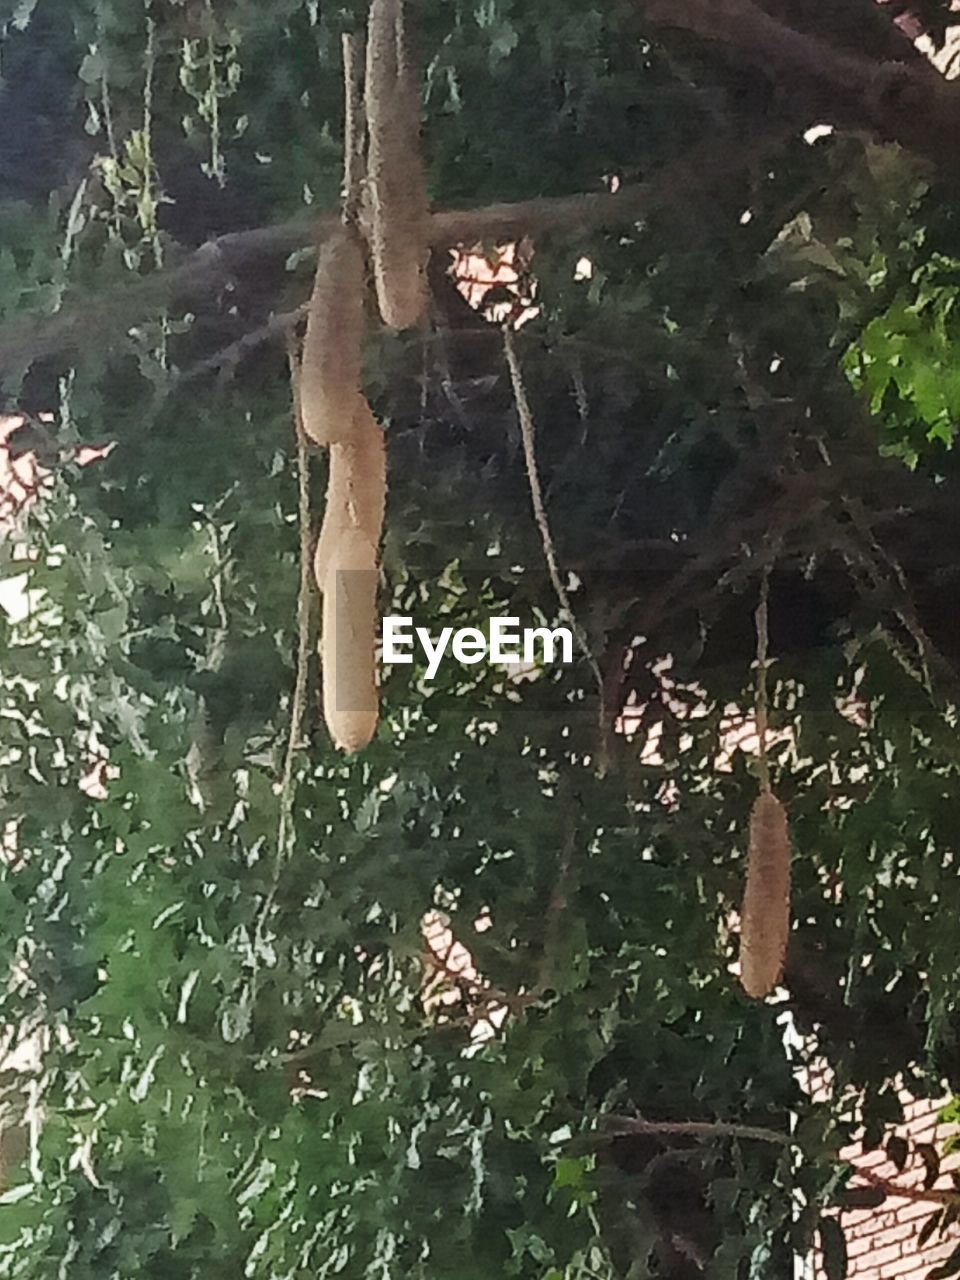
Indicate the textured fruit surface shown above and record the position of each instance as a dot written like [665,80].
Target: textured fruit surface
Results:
[396,186]
[356,488]
[333,344]
[348,641]
[345,564]
[765,919]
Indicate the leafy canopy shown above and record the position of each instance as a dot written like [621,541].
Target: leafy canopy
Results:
[238,1072]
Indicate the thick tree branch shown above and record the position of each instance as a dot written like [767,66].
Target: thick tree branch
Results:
[106,317]
[910,104]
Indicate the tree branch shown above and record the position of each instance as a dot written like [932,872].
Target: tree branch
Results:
[704,1129]
[225,362]
[106,317]
[929,1195]
[910,104]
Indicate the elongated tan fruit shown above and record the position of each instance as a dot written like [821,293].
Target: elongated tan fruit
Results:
[396,186]
[356,488]
[345,563]
[350,701]
[765,919]
[333,344]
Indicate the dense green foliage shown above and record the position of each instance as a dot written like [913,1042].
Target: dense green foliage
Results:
[238,1075]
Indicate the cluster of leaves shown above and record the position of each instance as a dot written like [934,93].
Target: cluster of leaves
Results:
[238,1073]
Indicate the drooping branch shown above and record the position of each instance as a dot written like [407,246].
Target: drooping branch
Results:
[905,102]
[106,317]
[225,362]
[100,318]
[701,1129]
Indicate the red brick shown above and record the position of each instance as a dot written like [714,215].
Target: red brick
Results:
[881,1243]
[884,1257]
[895,1234]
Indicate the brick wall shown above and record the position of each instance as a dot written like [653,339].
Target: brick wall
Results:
[882,1243]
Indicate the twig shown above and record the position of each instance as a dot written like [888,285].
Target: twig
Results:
[558,904]
[298,700]
[481,996]
[225,361]
[339,1034]
[931,1194]
[528,436]
[767,528]
[556,909]
[761,619]
[472,987]
[906,613]
[202,756]
[661,1161]
[877,562]
[580,395]
[704,1129]
[304,597]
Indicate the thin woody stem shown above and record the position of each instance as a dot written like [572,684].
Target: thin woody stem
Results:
[763,644]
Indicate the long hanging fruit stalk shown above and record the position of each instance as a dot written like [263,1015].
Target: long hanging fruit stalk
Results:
[336,414]
[765,916]
[396,187]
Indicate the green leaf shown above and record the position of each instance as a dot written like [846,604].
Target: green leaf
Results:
[92,68]
[236,1017]
[568,1172]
